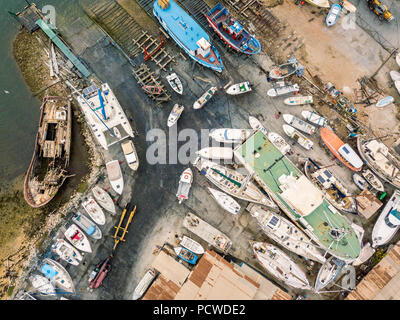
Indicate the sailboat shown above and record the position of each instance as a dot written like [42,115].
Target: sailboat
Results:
[328,273]
[56,273]
[42,285]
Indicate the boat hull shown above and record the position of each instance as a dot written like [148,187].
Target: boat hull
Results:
[103,198]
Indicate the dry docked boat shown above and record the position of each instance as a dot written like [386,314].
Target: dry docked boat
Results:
[175,83]
[257,125]
[298,123]
[94,211]
[279,143]
[185,182]
[103,198]
[373,180]
[282,89]
[319,3]
[115,176]
[91,229]
[200,102]
[298,100]
[284,70]
[238,88]
[78,238]
[229,135]
[152,89]
[277,263]
[298,137]
[48,168]
[217,153]
[56,273]
[328,273]
[385,102]
[395,75]
[175,114]
[42,285]
[130,154]
[349,6]
[186,255]
[314,117]
[226,202]
[286,233]
[67,252]
[333,14]
[232,182]
[144,284]
[333,189]
[192,245]
[360,182]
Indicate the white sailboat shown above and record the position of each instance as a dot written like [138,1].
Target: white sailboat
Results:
[42,285]
[56,273]
[216,153]
[144,284]
[373,180]
[115,176]
[192,245]
[239,88]
[314,117]
[87,225]
[298,123]
[257,125]
[225,202]
[297,136]
[175,114]
[229,135]
[94,211]
[279,143]
[131,157]
[104,199]
[328,273]
[77,238]
[175,83]
[298,100]
[67,252]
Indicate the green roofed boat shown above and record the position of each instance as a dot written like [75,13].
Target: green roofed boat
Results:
[298,197]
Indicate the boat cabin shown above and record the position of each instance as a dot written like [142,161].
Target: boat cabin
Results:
[392,220]
[204,48]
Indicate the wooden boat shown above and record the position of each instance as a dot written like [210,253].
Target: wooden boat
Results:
[298,123]
[94,211]
[298,137]
[229,135]
[115,176]
[333,189]
[42,285]
[144,284]
[186,255]
[175,114]
[298,100]
[333,14]
[314,117]
[319,3]
[103,198]
[385,102]
[279,143]
[284,70]
[175,83]
[47,170]
[199,103]
[90,228]
[257,125]
[152,89]
[282,89]
[67,252]
[225,202]
[56,273]
[239,88]
[360,182]
[192,245]
[130,154]
[372,180]
[277,263]
[341,150]
[77,238]
[217,153]
[328,273]
[185,182]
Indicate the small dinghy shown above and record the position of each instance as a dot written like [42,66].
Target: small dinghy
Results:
[257,125]
[298,100]
[117,133]
[90,228]
[360,182]
[175,114]
[333,14]
[103,198]
[199,103]
[284,70]
[238,88]
[94,211]
[115,176]
[56,273]
[216,153]
[78,239]
[185,183]
[225,202]
[144,284]
[192,245]
[314,117]
[298,123]
[279,143]
[229,135]
[131,157]
[298,137]
[175,83]
[67,252]
[186,255]
[373,180]
[385,102]
[152,89]
[328,273]
[42,285]
[282,89]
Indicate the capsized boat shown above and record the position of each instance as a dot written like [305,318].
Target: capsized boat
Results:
[77,238]
[385,102]
[216,153]
[103,198]
[67,252]
[231,31]
[333,15]
[388,222]
[298,137]
[131,157]
[175,114]
[229,135]
[298,100]
[225,202]
[90,228]
[277,263]
[286,233]
[56,273]
[48,168]
[186,255]
[341,150]
[192,245]
[144,284]
[115,176]
[319,3]
[282,89]
[372,180]
[314,117]
[94,211]
[185,182]
[257,125]
[298,123]
[239,88]
[328,273]
[284,70]
[360,182]
[200,102]
[175,83]
[42,285]
[279,143]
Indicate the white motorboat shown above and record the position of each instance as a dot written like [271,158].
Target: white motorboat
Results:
[175,114]
[298,100]
[229,135]
[279,143]
[87,225]
[67,252]
[42,285]
[257,125]
[77,238]
[216,153]
[298,137]
[94,211]
[328,273]
[199,103]
[104,199]
[144,284]
[360,182]
[185,182]
[225,202]
[282,89]
[115,176]
[239,88]
[192,245]
[130,154]
[372,180]
[56,273]
[314,117]
[175,83]
[284,70]
[298,123]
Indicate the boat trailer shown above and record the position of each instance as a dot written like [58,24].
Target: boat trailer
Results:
[124,229]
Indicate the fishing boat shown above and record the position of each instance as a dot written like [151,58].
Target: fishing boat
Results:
[385,102]
[232,182]
[372,180]
[257,125]
[333,15]
[225,202]
[175,83]
[115,176]
[103,198]
[216,153]
[298,100]
[56,273]
[42,285]
[298,137]
[94,211]
[130,154]
[314,117]
[388,222]
[333,189]
[278,263]
[144,284]
[185,182]
[231,31]
[319,3]
[152,89]
[200,102]
[298,123]
[282,89]
[175,114]
[279,143]
[47,170]
[284,70]
[341,150]
[77,238]
[90,228]
[286,233]
[192,245]
[186,255]
[328,273]
[103,113]
[187,34]
[360,182]
[67,252]
[239,88]
[229,135]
